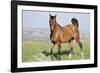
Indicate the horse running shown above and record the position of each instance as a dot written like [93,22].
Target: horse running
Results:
[64,34]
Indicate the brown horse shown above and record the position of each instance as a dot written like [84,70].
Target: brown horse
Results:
[64,34]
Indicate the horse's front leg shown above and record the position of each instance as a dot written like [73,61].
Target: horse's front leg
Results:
[59,50]
[52,44]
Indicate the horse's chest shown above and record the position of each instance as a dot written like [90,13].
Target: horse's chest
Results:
[55,36]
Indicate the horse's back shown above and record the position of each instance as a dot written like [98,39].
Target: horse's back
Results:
[68,32]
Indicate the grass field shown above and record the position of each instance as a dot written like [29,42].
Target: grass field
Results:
[33,51]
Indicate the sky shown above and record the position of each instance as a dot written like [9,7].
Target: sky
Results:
[40,19]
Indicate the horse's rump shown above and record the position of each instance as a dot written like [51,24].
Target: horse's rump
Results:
[67,33]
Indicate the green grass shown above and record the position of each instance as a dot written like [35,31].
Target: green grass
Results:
[32,51]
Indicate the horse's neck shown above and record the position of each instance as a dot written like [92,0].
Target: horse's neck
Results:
[57,26]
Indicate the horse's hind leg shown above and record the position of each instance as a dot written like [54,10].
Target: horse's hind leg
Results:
[71,48]
[80,45]
[77,38]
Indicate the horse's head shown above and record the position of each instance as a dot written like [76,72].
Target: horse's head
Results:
[52,21]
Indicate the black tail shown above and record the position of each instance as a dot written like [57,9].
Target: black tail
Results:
[74,21]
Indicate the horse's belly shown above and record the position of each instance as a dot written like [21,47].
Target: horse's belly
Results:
[64,40]
[65,37]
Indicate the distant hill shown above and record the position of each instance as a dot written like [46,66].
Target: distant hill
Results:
[40,34]
[36,34]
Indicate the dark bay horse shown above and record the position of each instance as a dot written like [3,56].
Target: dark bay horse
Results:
[64,34]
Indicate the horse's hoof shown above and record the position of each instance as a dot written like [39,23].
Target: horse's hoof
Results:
[70,56]
[82,54]
[82,57]
[52,59]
